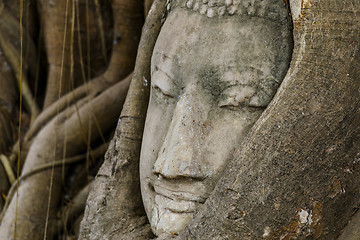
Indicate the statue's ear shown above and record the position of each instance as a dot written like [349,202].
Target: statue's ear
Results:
[298,174]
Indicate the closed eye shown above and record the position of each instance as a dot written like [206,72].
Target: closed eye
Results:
[159,92]
[162,84]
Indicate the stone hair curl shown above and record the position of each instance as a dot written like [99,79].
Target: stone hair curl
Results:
[273,10]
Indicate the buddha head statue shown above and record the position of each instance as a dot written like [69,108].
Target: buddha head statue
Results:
[215,67]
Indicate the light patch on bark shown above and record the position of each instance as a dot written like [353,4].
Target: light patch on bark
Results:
[306,3]
[267,232]
[295,6]
[305,217]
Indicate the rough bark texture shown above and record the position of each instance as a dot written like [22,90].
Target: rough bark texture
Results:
[298,174]
[114,208]
[352,230]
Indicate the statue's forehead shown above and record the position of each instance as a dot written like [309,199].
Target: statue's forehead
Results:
[226,40]
[205,32]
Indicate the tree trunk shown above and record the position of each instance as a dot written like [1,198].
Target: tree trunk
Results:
[115,209]
[297,176]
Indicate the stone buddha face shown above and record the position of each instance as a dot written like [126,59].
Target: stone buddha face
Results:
[211,78]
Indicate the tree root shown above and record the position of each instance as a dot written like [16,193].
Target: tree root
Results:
[8,169]
[9,24]
[74,208]
[120,171]
[47,145]
[98,152]
[8,100]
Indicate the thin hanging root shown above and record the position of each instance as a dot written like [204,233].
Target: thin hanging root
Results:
[98,152]
[101,29]
[12,56]
[7,166]
[14,153]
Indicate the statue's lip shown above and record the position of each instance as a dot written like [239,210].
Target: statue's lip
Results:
[177,195]
[175,206]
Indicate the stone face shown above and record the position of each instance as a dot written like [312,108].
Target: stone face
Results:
[210,82]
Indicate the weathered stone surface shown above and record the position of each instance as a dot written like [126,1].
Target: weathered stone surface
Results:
[210,81]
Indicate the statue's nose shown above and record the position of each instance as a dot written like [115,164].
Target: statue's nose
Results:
[180,154]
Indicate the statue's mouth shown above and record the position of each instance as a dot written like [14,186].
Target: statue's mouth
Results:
[178,195]
[175,206]
[176,201]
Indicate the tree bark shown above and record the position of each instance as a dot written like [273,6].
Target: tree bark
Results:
[297,175]
[114,209]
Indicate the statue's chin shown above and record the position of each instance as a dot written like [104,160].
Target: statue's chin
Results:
[166,221]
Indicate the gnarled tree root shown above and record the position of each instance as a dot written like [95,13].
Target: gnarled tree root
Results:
[115,209]
[34,193]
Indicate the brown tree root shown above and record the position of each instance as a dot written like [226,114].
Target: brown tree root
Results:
[74,209]
[35,193]
[8,169]
[82,93]
[57,17]
[127,26]
[8,99]
[6,139]
[98,152]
